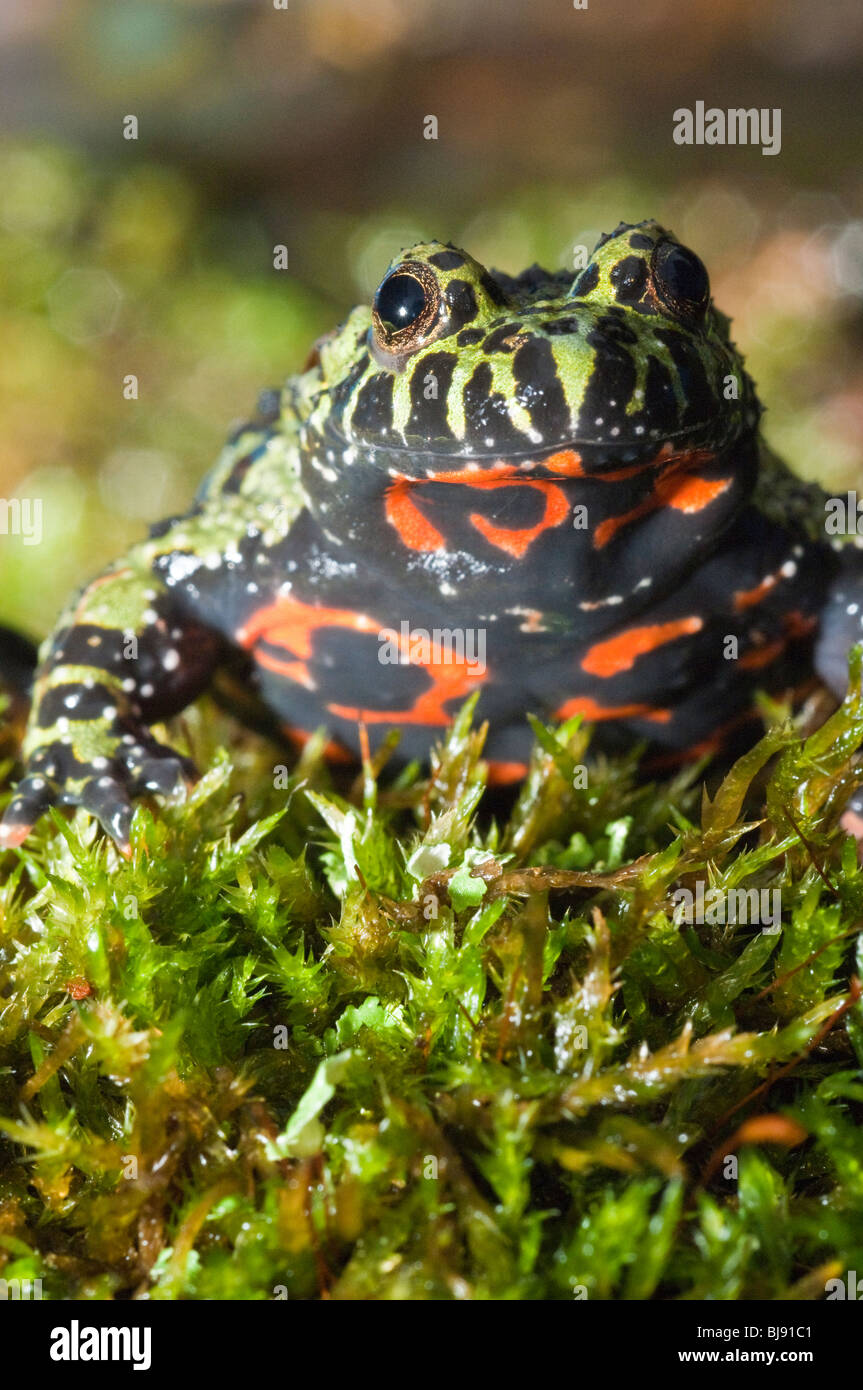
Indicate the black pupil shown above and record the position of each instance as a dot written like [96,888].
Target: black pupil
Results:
[399,301]
[685,275]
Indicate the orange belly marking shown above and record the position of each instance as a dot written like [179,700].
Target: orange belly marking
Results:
[418,533]
[589,709]
[620,653]
[291,624]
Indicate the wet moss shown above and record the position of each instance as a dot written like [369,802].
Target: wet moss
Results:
[376,1041]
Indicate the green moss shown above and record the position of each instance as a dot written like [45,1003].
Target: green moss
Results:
[390,1040]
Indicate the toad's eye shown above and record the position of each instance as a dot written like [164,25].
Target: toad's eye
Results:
[680,280]
[399,302]
[406,308]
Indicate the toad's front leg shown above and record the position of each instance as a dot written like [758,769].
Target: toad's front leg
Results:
[121,657]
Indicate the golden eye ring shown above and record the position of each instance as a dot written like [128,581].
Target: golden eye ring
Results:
[406,309]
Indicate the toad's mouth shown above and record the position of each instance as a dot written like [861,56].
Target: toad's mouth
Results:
[576,456]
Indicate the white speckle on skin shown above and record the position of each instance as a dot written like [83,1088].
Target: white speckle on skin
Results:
[181,566]
[171,659]
[610,602]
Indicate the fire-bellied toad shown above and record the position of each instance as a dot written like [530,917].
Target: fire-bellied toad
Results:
[566,473]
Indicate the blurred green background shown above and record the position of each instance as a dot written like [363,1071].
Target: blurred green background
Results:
[304,127]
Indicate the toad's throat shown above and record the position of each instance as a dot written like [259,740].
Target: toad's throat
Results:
[542,504]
